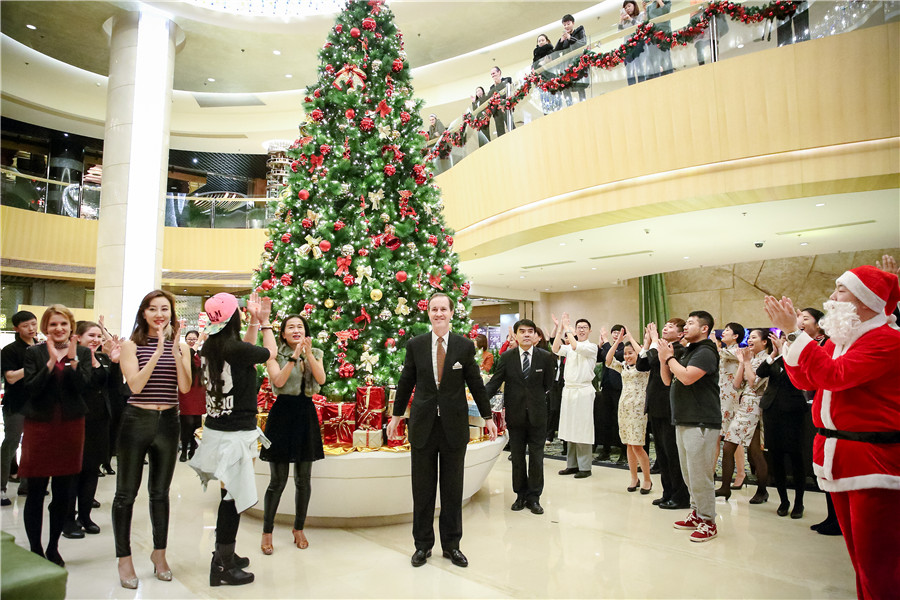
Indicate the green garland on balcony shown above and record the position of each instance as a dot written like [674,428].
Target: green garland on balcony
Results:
[644,35]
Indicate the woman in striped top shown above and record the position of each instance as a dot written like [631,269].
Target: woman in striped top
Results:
[156,368]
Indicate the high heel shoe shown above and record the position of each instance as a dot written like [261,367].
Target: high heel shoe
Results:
[723,492]
[738,486]
[633,488]
[129,583]
[163,575]
[797,512]
[300,539]
[266,544]
[759,498]
[645,491]
[783,509]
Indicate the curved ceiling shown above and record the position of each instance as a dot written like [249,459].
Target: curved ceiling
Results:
[238,51]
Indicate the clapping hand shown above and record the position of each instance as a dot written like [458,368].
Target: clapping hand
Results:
[888,264]
[666,351]
[781,313]
[253,306]
[777,342]
[654,333]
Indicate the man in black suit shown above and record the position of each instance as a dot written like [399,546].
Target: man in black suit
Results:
[439,365]
[528,374]
[572,39]
[502,118]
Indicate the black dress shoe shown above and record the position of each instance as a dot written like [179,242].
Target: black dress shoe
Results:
[783,509]
[72,531]
[91,527]
[419,557]
[672,505]
[582,474]
[535,507]
[456,557]
[654,469]
[95,504]
[659,501]
[109,470]
[569,471]
[519,504]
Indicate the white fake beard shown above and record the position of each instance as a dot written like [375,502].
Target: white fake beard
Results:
[840,321]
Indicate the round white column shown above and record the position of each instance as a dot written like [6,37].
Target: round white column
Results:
[135,163]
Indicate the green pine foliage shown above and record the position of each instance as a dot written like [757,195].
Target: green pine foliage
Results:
[359,241]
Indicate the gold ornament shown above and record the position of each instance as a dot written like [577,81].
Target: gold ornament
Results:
[402,308]
[308,284]
[384,315]
[347,250]
[384,131]
[375,198]
[312,246]
[395,134]
[345,188]
[322,336]
[363,271]
[385,217]
[329,303]
[368,361]
[376,295]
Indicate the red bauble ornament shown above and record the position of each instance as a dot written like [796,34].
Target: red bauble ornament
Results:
[286,238]
[404,117]
[448,269]
[338,28]
[354,334]
[432,239]
[307,223]
[324,245]
[397,65]
[422,304]
[349,279]
[267,285]
[338,225]
[346,370]
[389,170]
[366,124]
[363,252]
[389,343]
[317,94]
[392,242]
[270,245]
[448,239]
[317,114]
[286,279]
[329,69]
[308,308]
[354,32]
[368,24]
[294,165]
[401,276]
[303,195]
[401,331]
[350,113]
[324,149]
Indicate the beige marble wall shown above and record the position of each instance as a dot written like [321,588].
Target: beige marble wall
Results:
[735,292]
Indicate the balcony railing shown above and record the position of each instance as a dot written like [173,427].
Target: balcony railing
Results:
[724,39]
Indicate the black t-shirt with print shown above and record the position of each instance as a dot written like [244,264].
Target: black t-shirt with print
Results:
[236,409]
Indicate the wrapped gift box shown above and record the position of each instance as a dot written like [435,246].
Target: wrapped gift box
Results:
[476,421]
[500,421]
[370,405]
[319,401]
[339,419]
[475,433]
[401,436]
[367,439]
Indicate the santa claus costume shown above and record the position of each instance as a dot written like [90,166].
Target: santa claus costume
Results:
[856,411]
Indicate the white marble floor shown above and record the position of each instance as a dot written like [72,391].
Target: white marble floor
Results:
[594,541]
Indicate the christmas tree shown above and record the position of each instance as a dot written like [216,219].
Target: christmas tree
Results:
[359,242]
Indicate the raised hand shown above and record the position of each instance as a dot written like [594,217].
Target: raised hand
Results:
[887,263]
[115,349]
[265,309]
[654,332]
[781,313]
[71,354]
[777,341]
[253,306]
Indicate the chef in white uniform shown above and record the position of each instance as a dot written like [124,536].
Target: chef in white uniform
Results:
[576,414]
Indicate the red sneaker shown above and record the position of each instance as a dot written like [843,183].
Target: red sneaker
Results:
[706,531]
[692,522]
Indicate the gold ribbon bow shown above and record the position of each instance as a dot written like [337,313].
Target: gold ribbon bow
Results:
[375,198]
[369,361]
[312,216]
[402,308]
[311,246]
[362,272]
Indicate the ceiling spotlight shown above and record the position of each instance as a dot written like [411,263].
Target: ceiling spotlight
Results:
[210,79]
[521,277]
[804,243]
[276,52]
[593,268]
[686,257]
[820,204]
[288,76]
[562,243]
[740,46]
[31,27]
[574,286]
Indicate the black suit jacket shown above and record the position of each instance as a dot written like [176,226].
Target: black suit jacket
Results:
[418,373]
[576,38]
[45,392]
[657,406]
[523,393]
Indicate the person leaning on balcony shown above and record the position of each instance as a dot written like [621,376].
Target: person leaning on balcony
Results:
[501,117]
[435,127]
[572,39]
[630,16]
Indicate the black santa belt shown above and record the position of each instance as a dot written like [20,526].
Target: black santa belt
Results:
[868,437]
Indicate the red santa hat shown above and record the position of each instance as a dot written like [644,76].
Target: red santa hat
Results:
[877,289]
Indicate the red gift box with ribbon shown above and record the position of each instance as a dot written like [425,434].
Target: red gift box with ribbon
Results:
[370,405]
[401,438]
[338,421]
[318,402]
[499,421]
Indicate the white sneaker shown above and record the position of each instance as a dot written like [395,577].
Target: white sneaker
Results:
[4,500]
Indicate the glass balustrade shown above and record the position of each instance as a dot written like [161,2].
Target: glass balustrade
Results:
[473,129]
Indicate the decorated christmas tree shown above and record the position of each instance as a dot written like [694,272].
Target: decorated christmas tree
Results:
[359,242]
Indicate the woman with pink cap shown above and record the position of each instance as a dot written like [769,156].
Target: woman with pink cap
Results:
[230,433]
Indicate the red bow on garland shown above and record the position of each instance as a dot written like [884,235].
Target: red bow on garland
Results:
[348,73]
[343,263]
[363,316]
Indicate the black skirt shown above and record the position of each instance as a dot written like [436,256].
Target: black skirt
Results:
[784,430]
[293,428]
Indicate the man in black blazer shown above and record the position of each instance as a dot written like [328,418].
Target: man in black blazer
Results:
[439,365]
[528,374]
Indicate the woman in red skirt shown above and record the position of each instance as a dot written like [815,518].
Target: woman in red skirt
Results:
[192,406]
[56,372]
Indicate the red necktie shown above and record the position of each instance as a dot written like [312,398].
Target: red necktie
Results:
[441,355]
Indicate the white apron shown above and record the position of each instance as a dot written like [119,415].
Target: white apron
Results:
[576,413]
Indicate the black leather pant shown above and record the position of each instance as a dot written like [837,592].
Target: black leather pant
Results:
[152,433]
[302,492]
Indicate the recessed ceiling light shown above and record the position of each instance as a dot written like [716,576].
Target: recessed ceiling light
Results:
[210,79]
[804,243]
[593,268]
[562,243]
[31,27]
[740,46]
[276,52]
[574,286]
[288,75]
[521,277]
[546,289]
[686,257]
[820,204]
[98,84]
